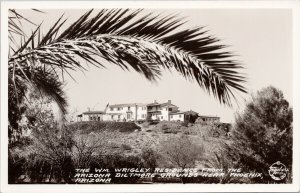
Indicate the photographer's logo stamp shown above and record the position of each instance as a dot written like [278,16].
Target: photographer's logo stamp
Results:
[278,171]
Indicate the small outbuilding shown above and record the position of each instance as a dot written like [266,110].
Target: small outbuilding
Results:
[91,116]
[207,119]
[182,116]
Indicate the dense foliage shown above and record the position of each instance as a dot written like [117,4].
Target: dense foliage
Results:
[263,134]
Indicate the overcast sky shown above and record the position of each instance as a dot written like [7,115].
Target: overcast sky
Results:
[262,39]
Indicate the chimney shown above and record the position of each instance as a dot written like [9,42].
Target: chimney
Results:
[169,101]
[89,109]
[155,101]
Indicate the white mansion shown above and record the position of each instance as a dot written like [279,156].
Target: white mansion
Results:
[140,112]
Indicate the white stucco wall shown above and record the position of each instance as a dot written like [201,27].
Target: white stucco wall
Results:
[141,112]
[95,117]
[138,112]
[177,117]
[164,114]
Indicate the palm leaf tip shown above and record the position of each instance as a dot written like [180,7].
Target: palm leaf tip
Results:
[146,43]
[49,85]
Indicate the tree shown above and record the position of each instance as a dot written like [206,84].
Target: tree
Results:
[263,133]
[52,146]
[126,38]
[88,145]
[150,158]
[181,151]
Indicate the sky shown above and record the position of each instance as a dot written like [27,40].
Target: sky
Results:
[261,39]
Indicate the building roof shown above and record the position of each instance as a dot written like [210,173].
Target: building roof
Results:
[191,112]
[114,113]
[208,116]
[127,105]
[178,112]
[184,112]
[167,105]
[93,112]
[162,104]
[153,104]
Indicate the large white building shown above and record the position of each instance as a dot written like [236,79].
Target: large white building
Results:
[131,112]
[161,111]
[141,112]
[125,112]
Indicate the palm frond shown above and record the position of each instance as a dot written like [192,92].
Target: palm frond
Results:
[43,80]
[145,43]
[49,85]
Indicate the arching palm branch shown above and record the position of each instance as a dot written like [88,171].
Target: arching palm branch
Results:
[130,40]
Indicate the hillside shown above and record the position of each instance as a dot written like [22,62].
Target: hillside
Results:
[130,138]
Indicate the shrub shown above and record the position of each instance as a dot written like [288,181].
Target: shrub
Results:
[118,161]
[263,134]
[165,127]
[126,147]
[185,123]
[153,122]
[85,146]
[150,158]
[16,167]
[181,151]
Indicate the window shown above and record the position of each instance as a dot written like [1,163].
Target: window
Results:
[144,108]
[112,116]
[91,118]
[128,108]
[170,109]
[171,116]
[179,116]
[111,109]
[98,118]
[119,116]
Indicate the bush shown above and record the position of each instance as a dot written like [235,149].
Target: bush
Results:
[126,147]
[181,151]
[153,122]
[170,128]
[165,127]
[185,123]
[118,161]
[263,134]
[52,147]
[150,158]
[16,167]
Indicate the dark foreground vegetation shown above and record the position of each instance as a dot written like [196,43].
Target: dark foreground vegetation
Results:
[88,127]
